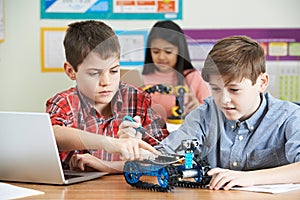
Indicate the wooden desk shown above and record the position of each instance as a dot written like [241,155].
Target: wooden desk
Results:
[115,187]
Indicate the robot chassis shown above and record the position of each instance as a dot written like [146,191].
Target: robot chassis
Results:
[170,170]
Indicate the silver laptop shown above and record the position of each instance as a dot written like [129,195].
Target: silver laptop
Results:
[28,151]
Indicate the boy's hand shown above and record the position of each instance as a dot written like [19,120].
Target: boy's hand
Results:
[144,154]
[129,148]
[127,128]
[84,162]
[226,179]
[88,162]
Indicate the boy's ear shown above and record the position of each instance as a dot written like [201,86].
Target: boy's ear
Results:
[69,70]
[263,81]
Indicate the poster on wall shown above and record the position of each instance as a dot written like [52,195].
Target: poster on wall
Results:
[282,49]
[279,44]
[111,9]
[1,20]
[132,47]
[52,49]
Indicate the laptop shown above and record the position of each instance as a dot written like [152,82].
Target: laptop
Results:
[28,151]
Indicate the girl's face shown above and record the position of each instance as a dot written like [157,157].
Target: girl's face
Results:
[164,55]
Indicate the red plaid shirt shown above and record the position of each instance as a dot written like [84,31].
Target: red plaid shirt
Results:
[70,108]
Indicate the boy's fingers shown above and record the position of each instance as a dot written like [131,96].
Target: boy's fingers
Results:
[81,165]
[214,171]
[127,123]
[148,147]
[144,154]
[136,152]
[137,119]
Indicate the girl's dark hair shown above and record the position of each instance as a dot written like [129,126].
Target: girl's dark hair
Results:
[172,33]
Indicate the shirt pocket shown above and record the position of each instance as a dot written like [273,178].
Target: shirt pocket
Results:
[265,158]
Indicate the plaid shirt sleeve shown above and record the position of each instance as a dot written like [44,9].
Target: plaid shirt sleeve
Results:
[59,111]
[57,108]
[60,108]
[150,120]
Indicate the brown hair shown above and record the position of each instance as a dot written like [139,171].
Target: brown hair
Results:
[236,57]
[83,37]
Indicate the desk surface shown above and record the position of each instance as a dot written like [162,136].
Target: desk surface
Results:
[115,187]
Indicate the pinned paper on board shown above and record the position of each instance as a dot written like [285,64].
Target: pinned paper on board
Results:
[294,49]
[278,48]
[1,20]
[52,50]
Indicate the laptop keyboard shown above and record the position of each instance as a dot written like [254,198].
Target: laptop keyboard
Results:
[69,176]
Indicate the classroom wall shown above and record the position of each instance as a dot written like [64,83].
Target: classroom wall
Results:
[23,87]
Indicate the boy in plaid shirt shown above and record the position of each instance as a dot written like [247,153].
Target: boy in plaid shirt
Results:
[83,115]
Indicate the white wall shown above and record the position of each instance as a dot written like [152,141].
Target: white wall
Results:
[23,87]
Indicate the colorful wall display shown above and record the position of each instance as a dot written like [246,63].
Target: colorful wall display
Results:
[111,9]
[280,44]
[282,48]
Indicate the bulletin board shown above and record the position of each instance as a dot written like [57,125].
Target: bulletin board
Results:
[279,44]
[132,47]
[1,20]
[53,55]
[111,9]
[282,48]
[52,49]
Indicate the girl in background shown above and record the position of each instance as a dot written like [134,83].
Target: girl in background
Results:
[167,62]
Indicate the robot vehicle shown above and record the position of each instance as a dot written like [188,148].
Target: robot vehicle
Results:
[171,170]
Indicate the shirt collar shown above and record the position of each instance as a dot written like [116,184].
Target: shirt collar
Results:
[86,105]
[117,101]
[255,119]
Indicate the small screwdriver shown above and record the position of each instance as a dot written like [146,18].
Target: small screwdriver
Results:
[144,131]
[140,128]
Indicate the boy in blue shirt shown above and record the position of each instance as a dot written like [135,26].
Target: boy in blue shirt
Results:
[247,136]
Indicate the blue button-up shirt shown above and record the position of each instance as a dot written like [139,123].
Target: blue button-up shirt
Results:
[269,138]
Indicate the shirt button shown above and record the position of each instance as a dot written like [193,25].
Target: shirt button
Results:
[232,127]
[251,127]
[234,164]
[241,137]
